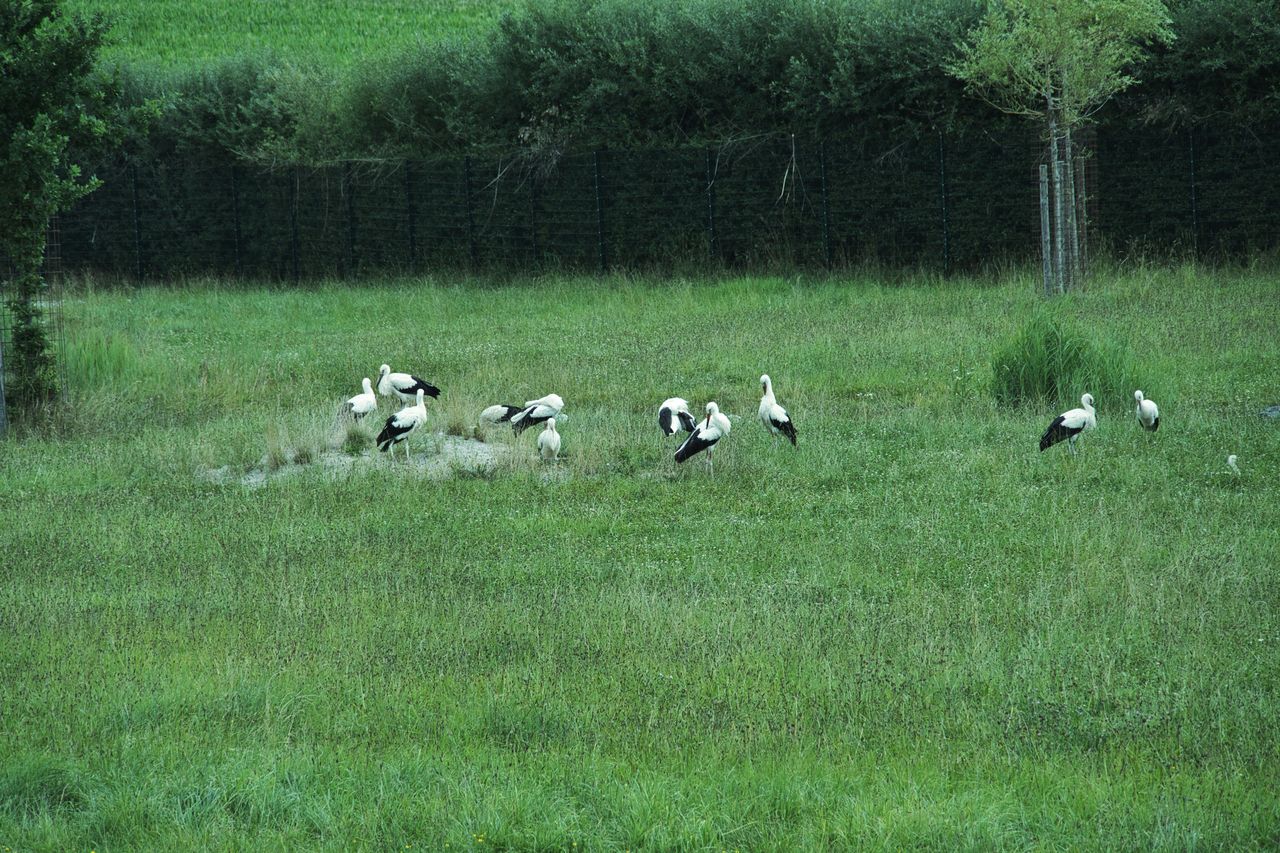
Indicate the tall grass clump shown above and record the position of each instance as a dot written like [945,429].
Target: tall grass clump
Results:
[95,359]
[1051,361]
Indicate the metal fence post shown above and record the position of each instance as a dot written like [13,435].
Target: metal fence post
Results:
[235,221]
[826,204]
[137,222]
[942,195]
[1044,230]
[604,259]
[466,201]
[4,412]
[293,222]
[711,205]
[348,192]
[410,216]
[533,215]
[1195,211]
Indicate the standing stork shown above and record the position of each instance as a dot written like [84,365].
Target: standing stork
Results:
[362,404]
[403,385]
[536,411]
[1148,413]
[674,415]
[549,442]
[1232,466]
[401,424]
[705,436]
[774,417]
[1069,425]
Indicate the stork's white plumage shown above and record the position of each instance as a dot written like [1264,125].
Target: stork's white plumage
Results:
[774,417]
[536,412]
[549,441]
[1070,424]
[499,414]
[705,437]
[674,415]
[1231,463]
[362,404]
[1148,413]
[400,425]
[403,385]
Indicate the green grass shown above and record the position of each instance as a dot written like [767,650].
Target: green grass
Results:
[179,33]
[914,630]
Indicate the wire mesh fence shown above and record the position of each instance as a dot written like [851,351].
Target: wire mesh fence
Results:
[944,202]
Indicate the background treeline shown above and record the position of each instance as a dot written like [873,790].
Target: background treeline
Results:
[585,74]
[616,132]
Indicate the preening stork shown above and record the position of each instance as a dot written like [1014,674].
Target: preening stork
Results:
[536,412]
[499,414]
[705,437]
[403,385]
[549,442]
[401,424]
[1069,425]
[674,415]
[774,417]
[362,404]
[1148,413]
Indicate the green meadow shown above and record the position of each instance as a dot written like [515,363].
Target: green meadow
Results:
[182,33]
[912,630]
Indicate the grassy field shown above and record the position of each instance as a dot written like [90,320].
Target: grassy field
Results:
[169,33]
[914,630]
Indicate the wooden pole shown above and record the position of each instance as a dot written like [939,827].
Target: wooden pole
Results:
[1072,225]
[1045,249]
[4,412]
[942,197]
[604,258]
[826,204]
[711,206]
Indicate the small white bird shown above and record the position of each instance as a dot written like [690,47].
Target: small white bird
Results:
[705,436]
[1148,413]
[401,424]
[1231,463]
[549,441]
[536,412]
[1069,425]
[362,404]
[774,417]
[403,385]
[674,415]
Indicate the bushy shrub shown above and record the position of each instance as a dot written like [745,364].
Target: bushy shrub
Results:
[1051,362]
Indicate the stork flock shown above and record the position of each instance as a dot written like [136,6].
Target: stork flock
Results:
[674,416]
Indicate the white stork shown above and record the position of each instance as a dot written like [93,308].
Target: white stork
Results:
[362,404]
[401,424]
[536,412]
[403,385]
[674,415]
[774,417]
[1069,425]
[1148,413]
[705,436]
[549,442]
[1231,463]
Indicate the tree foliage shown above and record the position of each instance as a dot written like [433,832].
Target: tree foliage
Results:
[1065,57]
[47,104]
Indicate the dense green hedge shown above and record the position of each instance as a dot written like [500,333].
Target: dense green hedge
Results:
[581,74]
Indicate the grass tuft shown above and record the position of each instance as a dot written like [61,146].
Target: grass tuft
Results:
[95,359]
[1049,360]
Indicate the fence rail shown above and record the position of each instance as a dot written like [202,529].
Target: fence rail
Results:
[944,202]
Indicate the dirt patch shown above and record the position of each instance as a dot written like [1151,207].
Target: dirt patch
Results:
[439,457]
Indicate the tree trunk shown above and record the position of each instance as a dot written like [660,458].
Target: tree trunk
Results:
[1073,225]
[1059,212]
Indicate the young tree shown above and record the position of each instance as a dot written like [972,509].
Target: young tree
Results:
[48,103]
[1059,61]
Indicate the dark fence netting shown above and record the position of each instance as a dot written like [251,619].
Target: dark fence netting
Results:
[944,201]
